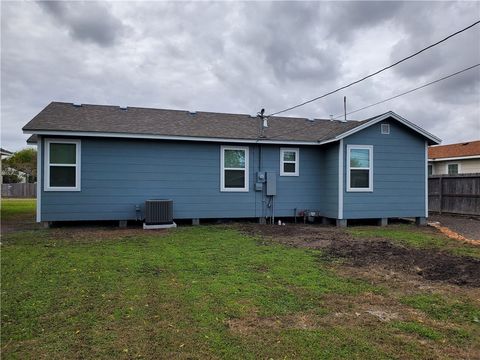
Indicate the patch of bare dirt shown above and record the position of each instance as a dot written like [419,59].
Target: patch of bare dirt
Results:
[337,243]
[358,310]
[250,324]
[96,233]
[430,264]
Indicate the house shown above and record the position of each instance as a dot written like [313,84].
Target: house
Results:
[8,172]
[103,162]
[453,159]
[3,154]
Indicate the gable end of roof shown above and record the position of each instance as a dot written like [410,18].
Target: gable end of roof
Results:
[433,140]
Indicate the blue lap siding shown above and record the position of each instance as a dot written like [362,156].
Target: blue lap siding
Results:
[329,165]
[119,174]
[398,174]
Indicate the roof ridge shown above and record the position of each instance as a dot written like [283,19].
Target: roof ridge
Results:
[207,112]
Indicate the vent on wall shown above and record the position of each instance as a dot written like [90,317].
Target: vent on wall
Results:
[385,129]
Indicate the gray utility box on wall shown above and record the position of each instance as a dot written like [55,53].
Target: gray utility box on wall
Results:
[271,183]
[158,212]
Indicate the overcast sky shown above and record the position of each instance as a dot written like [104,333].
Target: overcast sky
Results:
[240,57]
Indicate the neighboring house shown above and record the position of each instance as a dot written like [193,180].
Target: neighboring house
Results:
[103,162]
[9,171]
[3,154]
[453,159]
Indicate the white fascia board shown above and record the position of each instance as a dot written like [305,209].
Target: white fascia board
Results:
[455,158]
[384,117]
[166,137]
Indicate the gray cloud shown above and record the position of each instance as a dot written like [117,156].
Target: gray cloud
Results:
[463,89]
[89,22]
[239,57]
[345,22]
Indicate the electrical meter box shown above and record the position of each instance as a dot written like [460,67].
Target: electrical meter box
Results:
[260,177]
[271,183]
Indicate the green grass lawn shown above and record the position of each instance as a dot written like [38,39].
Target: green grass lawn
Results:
[202,292]
[17,209]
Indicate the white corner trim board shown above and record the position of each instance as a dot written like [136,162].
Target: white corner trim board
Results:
[426,179]
[341,169]
[39,179]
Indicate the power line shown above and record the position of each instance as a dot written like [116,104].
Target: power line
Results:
[390,98]
[376,72]
[409,91]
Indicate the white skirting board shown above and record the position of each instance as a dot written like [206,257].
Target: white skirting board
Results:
[157,227]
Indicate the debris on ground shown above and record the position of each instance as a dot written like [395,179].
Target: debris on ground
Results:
[383,316]
[452,234]
[467,226]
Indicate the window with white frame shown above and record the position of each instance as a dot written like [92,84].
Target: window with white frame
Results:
[452,169]
[359,168]
[430,169]
[234,168]
[289,160]
[62,165]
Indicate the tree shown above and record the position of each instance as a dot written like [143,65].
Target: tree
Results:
[25,161]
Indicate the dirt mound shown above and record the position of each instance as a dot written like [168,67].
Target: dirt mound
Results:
[431,264]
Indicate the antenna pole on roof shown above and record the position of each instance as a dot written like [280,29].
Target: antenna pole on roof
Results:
[345,107]
[263,122]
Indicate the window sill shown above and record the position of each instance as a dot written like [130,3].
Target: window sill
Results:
[54,189]
[359,190]
[233,190]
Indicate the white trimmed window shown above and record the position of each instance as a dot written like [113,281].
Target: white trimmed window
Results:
[453,169]
[234,168]
[289,159]
[62,165]
[359,168]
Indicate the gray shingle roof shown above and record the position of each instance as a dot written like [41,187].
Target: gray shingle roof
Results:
[58,116]
[33,139]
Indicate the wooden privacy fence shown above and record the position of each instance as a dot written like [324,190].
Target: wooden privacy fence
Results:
[459,194]
[19,190]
